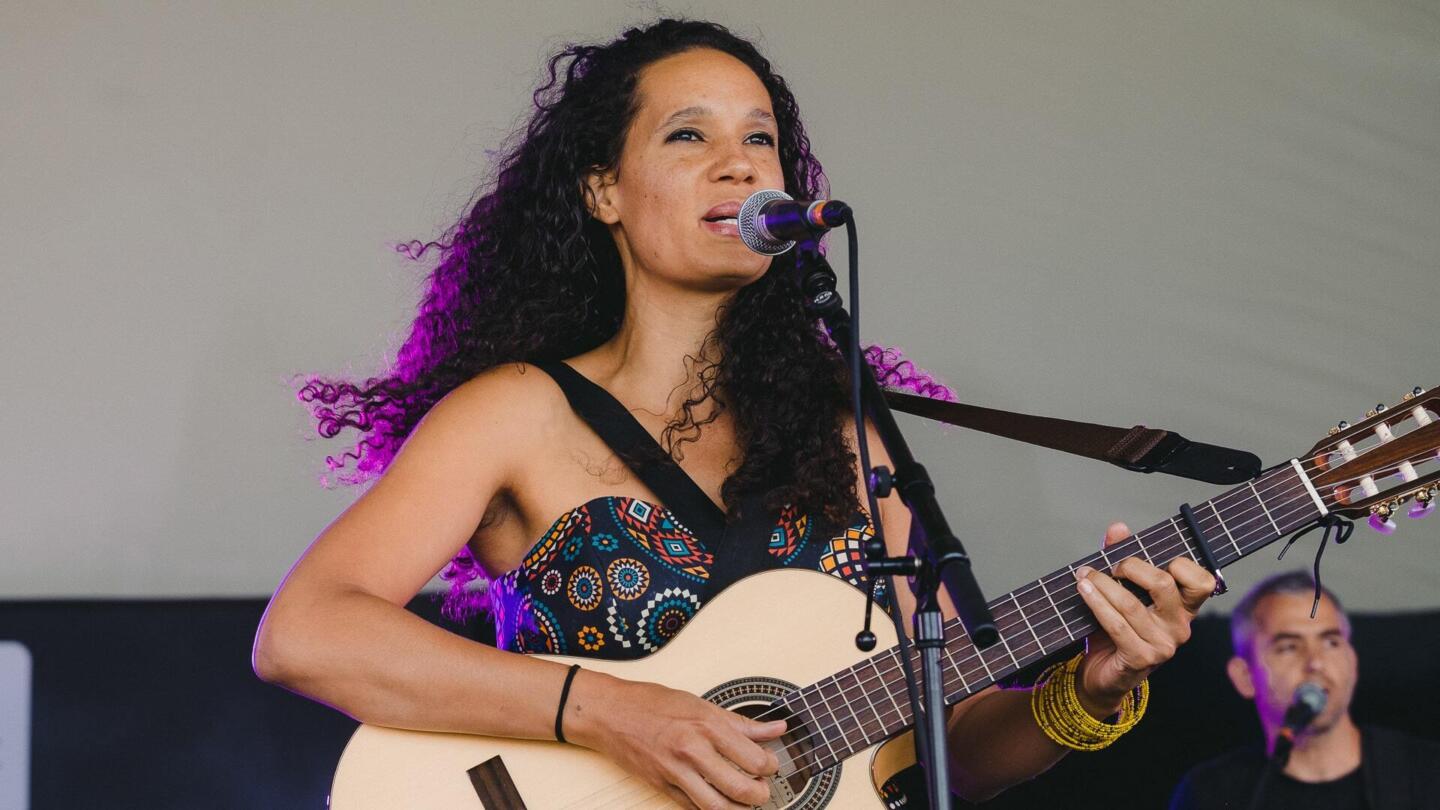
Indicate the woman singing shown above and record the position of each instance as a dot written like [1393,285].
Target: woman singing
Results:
[600,362]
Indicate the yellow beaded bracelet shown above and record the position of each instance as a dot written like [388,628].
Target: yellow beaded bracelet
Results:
[1059,713]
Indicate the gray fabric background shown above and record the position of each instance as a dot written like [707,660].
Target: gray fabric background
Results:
[1219,217]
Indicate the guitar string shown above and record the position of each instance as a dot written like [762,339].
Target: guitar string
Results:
[1288,515]
[963,671]
[848,703]
[1069,599]
[1042,644]
[1051,635]
[1248,508]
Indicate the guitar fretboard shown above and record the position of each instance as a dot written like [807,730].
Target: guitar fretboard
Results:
[868,702]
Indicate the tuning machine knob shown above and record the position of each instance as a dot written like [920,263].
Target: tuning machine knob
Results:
[1424,504]
[1414,392]
[1380,519]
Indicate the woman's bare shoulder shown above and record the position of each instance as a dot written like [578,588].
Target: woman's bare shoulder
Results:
[502,400]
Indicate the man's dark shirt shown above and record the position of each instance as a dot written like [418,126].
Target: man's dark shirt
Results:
[1397,772]
[1345,793]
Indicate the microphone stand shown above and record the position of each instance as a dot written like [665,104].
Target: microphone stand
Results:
[943,562]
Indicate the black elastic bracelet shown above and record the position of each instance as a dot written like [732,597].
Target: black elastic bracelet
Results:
[560,710]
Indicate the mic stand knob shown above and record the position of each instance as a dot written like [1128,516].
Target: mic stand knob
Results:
[882,481]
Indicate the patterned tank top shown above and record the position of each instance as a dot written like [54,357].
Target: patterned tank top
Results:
[619,577]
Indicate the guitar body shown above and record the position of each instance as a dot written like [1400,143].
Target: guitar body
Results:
[766,634]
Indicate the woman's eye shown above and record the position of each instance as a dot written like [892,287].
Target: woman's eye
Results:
[684,135]
[762,138]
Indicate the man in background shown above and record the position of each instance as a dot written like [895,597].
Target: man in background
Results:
[1334,763]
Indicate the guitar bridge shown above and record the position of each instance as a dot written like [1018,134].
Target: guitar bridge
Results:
[494,786]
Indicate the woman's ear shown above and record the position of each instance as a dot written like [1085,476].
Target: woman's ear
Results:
[1240,677]
[600,195]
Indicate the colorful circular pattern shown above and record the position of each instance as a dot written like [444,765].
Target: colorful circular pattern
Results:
[605,542]
[664,615]
[548,629]
[585,589]
[572,547]
[590,638]
[628,578]
[551,582]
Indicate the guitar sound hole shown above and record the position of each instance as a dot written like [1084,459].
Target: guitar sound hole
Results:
[755,698]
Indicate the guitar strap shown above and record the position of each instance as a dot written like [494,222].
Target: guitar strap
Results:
[1139,449]
[733,558]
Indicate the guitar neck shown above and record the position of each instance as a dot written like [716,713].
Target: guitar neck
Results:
[868,702]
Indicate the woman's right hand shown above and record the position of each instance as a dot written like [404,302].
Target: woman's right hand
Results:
[695,752]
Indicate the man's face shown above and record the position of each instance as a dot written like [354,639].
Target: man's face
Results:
[1287,649]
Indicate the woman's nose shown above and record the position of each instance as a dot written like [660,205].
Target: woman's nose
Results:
[733,165]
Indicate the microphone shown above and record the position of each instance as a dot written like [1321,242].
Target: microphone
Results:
[1309,701]
[771,221]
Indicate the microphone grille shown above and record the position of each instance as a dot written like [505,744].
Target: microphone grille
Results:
[749,222]
[1313,695]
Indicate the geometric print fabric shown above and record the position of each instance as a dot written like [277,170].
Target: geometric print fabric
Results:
[619,577]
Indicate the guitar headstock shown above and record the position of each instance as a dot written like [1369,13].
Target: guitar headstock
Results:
[1391,457]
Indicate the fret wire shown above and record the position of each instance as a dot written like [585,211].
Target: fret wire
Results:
[888,692]
[819,730]
[1031,627]
[844,701]
[1186,545]
[847,696]
[986,664]
[1056,608]
[1145,551]
[1225,528]
[854,705]
[850,705]
[1047,600]
[1261,501]
[954,667]
[1009,627]
[836,720]
[865,693]
[1156,541]
[857,706]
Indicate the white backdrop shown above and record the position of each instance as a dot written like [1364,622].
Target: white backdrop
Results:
[1217,217]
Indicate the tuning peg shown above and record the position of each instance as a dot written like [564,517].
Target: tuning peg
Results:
[1414,392]
[1378,409]
[1423,506]
[1380,519]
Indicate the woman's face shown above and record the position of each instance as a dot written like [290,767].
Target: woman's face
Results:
[703,139]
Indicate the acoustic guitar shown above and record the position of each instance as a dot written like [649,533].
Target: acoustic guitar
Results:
[848,711]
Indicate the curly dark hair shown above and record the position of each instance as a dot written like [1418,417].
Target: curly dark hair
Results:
[528,275]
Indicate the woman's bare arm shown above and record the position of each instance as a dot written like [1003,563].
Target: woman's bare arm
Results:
[337,631]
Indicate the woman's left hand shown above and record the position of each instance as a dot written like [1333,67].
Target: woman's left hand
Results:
[1134,638]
